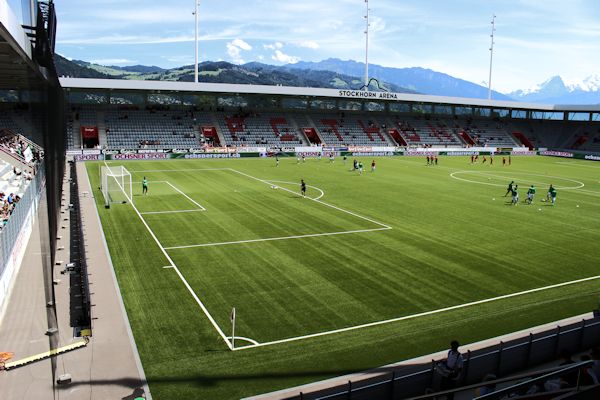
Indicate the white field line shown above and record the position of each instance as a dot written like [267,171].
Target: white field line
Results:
[150,182]
[277,238]
[245,339]
[179,170]
[453,175]
[315,200]
[575,164]
[423,314]
[187,197]
[310,186]
[172,212]
[172,264]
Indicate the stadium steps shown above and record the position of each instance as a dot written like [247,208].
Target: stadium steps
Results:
[333,125]
[76,134]
[397,137]
[47,354]
[466,138]
[101,124]
[215,123]
[524,141]
[314,128]
[301,135]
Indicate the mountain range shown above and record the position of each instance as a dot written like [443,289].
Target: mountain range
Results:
[340,74]
[556,91]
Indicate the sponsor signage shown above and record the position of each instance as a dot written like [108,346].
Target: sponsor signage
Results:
[88,157]
[592,157]
[362,94]
[553,153]
[140,156]
[208,155]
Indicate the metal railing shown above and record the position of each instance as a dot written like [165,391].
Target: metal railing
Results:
[11,232]
[500,359]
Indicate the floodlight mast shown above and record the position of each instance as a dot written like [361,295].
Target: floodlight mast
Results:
[491,56]
[367,47]
[196,2]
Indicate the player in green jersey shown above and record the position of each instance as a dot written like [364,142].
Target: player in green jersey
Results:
[144,186]
[530,194]
[553,195]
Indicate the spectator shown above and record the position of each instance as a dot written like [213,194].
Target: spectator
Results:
[488,388]
[451,369]
[587,376]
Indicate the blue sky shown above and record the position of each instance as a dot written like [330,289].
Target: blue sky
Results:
[535,39]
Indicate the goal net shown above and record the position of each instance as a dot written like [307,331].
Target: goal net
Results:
[116,185]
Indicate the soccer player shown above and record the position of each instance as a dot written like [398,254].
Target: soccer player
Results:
[548,195]
[472,158]
[553,195]
[491,160]
[144,186]
[509,160]
[360,167]
[484,160]
[354,165]
[276,160]
[303,158]
[302,187]
[530,194]
[503,161]
[320,155]
[373,166]
[298,159]
[427,160]
[331,157]
[510,188]
[436,160]
[515,195]
[345,159]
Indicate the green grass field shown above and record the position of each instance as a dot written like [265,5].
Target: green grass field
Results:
[365,271]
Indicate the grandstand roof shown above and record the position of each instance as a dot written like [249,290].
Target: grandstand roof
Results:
[169,86]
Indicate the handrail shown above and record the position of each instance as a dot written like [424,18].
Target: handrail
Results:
[511,378]
[576,366]
[473,386]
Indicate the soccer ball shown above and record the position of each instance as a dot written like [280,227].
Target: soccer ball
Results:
[273,187]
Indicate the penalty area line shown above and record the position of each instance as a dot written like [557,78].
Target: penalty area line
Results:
[413,316]
[186,196]
[277,238]
[174,267]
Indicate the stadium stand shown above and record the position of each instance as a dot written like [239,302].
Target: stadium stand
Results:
[349,129]
[249,129]
[172,127]
[150,129]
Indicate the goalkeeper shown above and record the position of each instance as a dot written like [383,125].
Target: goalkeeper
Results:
[145,186]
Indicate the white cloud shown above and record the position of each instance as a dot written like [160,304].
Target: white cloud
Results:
[112,61]
[241,44]
[284,58]
[273,46]
[309,44]
[235,48]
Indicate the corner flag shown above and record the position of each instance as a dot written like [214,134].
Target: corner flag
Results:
[232,317]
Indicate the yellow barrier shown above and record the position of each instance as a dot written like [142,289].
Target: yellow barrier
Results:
[42,356]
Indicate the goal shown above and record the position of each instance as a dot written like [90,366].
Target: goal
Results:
[115,185]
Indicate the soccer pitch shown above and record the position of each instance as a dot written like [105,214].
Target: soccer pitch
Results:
[366,270]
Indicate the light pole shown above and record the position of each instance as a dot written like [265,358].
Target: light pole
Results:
[367,47]
[491,57]
[196,2]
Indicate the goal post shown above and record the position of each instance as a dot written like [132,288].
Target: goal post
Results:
[116,185]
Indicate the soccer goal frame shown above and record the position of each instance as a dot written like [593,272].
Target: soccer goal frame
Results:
[116,185]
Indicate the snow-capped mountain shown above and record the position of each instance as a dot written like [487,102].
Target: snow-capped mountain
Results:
[556,91]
